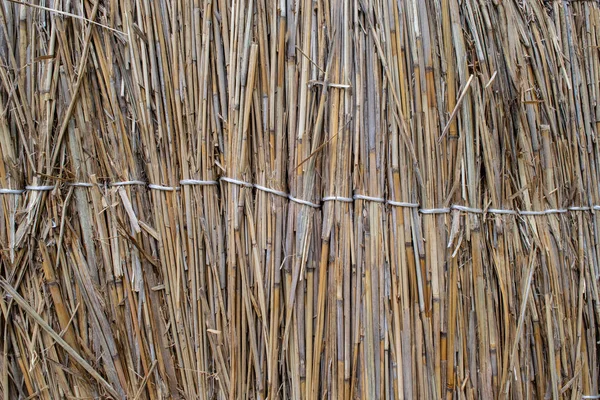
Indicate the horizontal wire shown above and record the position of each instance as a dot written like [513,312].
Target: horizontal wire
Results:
[11,191]
[128,183]
[444,210]
[236,182]
[500,211]
[197,182]
[369,198]
[573,208]
[81,184]
[467,209]
[338,198]
[305,202]
[272,191]
[39,188]
[269,190]
[543,212]
[358,196]
[161,187]
[402,204]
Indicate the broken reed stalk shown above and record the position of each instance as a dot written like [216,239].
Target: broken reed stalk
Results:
[293,277]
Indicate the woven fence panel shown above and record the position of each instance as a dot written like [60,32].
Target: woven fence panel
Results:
[306,199]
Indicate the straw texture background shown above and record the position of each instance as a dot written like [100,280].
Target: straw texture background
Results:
[221,290]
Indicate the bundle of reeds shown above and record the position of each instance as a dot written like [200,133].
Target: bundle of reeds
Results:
[299,199]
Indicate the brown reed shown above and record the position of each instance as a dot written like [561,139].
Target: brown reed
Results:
[256,200]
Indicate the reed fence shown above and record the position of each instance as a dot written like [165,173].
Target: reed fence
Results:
[250,199]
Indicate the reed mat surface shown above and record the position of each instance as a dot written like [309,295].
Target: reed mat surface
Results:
[299,199]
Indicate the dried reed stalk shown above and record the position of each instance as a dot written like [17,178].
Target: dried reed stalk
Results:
[199,287]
